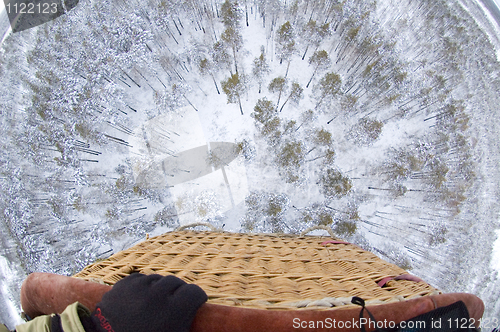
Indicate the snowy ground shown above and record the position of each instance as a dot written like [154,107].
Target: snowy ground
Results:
[143,179]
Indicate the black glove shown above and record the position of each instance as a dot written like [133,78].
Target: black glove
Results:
[151,303]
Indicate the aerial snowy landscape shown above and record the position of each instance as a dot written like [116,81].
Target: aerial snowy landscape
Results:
[377,119]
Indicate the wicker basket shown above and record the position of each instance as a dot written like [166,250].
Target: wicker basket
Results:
[263,271]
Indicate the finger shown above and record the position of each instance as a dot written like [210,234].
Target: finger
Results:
[151,280]
[133,278]
[137,281]
[168,285]
[190,295]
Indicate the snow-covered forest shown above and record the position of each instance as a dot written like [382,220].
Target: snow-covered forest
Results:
[375,118]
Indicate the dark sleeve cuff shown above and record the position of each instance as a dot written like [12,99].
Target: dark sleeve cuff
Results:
[55,324]
[87,323]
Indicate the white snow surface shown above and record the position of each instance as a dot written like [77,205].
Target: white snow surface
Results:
[495,256]
[9,305]
[218,121]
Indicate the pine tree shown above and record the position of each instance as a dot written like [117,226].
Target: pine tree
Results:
[328,87]
[278,84]
[296,94]
[348,102]
[286,43]
[314,34]
[320,60]
[334,184]
[323,137]
[291,154]
[232,37]
[263,110]
[206,68]
[220,57]
[230,14]
[260,68]
[234,87]
[308,32]
[366,131]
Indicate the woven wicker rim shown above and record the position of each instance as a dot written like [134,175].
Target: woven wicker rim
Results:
[263,270]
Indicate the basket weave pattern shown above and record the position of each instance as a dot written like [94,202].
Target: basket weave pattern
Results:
[261,270]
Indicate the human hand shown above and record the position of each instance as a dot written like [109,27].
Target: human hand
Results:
[150,303]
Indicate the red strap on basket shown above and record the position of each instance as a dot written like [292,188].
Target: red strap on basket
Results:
[409,277]
[334,242]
